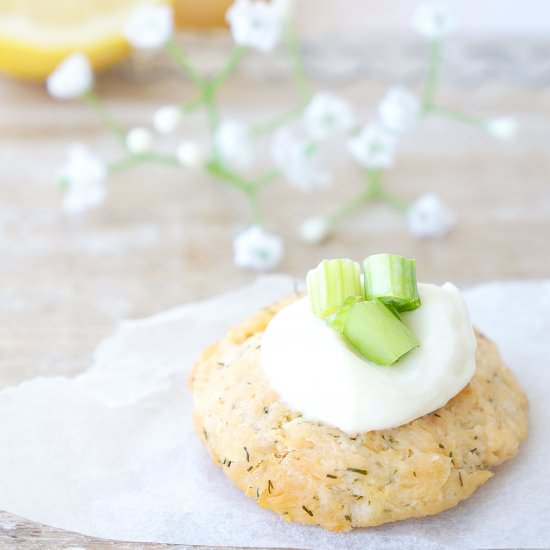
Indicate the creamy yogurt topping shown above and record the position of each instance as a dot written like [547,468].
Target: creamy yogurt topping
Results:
[315,372]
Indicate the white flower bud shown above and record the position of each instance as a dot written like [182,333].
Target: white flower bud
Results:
[314,230]
[504,128]
[149,26]
[188,154]
[256,249]
[166,119]
[72,78]
[139,140]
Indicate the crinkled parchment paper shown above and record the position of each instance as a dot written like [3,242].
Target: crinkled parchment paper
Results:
[112,453]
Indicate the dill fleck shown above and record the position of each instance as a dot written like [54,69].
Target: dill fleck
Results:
[224,460]
[353,438]
[307,511]
[249,469]
[460,479]
[450,454]
[247,455]
[258,346]
[441,446]
[473,450]
[392,439]
[348,517]
[475,437]
[205,433]
[229,464]
[357,471]
[438,416]
[414,473]
[221,364]
[358,497]
[332,477]
[257,492]
[269,486]
[266,410]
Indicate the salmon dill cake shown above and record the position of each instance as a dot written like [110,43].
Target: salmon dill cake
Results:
[312,473]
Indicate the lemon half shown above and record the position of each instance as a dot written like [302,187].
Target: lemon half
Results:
[36,35]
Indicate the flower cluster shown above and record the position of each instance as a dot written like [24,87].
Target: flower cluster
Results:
[296,137]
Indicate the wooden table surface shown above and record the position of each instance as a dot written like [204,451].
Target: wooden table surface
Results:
[164,236]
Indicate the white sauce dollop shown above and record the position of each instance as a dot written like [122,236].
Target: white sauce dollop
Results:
[316,373]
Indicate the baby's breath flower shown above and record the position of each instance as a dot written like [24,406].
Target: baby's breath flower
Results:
[256,249]
[433,20]
[504,128]
[314,230]
[188,154]
[149,26]
[399,109]
[139,140]
[234,144]
[83,175]
[255,24]
[428,217]
[166,119]
[374,146]
[327,115]
[298,162]
[72,78]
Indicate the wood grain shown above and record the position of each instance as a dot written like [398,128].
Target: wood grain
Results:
[164,236]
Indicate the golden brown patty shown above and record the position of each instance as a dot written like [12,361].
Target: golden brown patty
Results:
[315,474]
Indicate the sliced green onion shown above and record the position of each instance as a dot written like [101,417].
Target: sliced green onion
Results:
[331,282]
[375,332]
[337,320]
[391,279]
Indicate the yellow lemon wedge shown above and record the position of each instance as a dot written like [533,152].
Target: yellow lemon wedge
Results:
[36,35]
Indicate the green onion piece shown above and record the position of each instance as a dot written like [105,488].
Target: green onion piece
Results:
[337,320]
[372,330]
[391,279]
[331,282]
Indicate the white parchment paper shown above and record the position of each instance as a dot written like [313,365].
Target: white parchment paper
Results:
[112,453]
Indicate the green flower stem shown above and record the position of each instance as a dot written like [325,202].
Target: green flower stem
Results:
[394,201]
[256,217]
[104,115]
[132,160]
[263,128]
[231,64]
[432,81]
[216,169]
[180,58]
[248,187]
[458,116]
[297,60]
[350,207]
[212,112]
[301,81]
[268,177]
[374,182]
[374,192]
[192,104]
